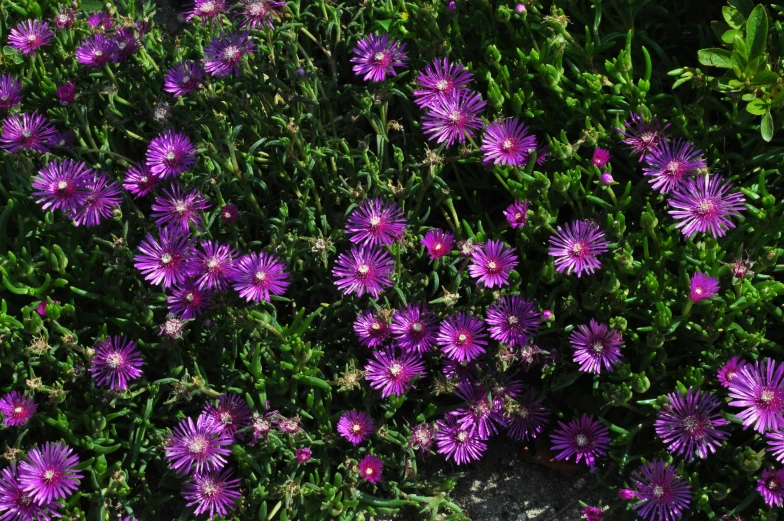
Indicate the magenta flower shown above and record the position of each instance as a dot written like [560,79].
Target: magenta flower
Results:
[688,424]
[542,153]
[600,157]
[438,243]
[17,409]
[139,180]
[363,270]
[213,264]
[49,473]
[491,265]
[62,185]
[525,417]
[377,55]
[184,78]
[371,330]
[453,117]
[376,222]
[96,50]
[177,208]
[101,21]
[165,260]
[103,196]
[206,10]
[187,300]
[170,154]
[606,179]
[256,276]
[127,43]
[582,438]
[231,413]
[229,213]
[705,205]
[414,328]
[642,136]
[592,513]
[576,246]
[775,443]
[214,493]
[18,505]
[392,374]
[355,426]
[303,455]
[26,132]
[29,36]
[200,446]
[10,91]
[66,93]
[516,214]
[663,494]
[507,142]
[479,416]
[512,320]
[370,468]
[440,78]
[117,361]
[596,345]
[770,487]
[759,389]
[62,139]
[670,164]
[730,370]
[703,287]
[224,53]
[457,442]
[462,337]
[460,372]
[256,13]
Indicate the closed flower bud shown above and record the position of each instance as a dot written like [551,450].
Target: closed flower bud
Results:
[520,9]
[606,179]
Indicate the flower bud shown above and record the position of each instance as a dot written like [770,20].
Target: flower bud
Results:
[606,179]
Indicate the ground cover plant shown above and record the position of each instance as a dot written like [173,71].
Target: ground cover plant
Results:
[307,260]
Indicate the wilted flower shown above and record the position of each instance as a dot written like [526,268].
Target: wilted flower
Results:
[576,246]
[29,36]
[229,213]
[370,468]
[440,78]
[516,214]
[66,93]
[371,329]
[703,287]
[96,50]
[231,413]
[224,53]
[212,492]
[422,437]
[705,205]
[438,243]
[415,328]
[139,180]
[363,270]
[492,264]
[458,442]
[451,118]
[507,142]
[377,55]
[26,132]
[582,438]
[462,337]
[17,409]
[596,346]
[117,361]
[10,91]
[179,209]
[261,425]
[256,13]
[199,446]
[303,454]
[256,276]
[670,164]
[184,78]
[759,389]
[688,424]
[391,373]
[376,222]
[172,327]
[64,19]
[170,154]
[641,136]
[355,426]
[49,473]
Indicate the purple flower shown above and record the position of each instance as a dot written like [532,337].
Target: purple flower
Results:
[62,185]
[596,345]
[600,157]
[224,53]
[165,260]
[452,118]
[669,165]
[542,153]
[458,442]
[423,435]
[440,78]
[117,361]
[184,78]
[377,55]
[414,328]
[231,413]
[49,473]
[392,374]
[759,388]
[730,370]
[688,424]
[66,93]
[65,18]
[583,438]
[103,196]
[371,330]
[355,426]
[96,50]
[438,243]
[480,416]
[26,132]
[512,320]
[576,246]
[207,10]
[17,409]
[126,42]
[460,372]
[10,91]
[642,136]
[256,13]
[100,20]
[364,270]
[177,208]
[187,300]
[491,265]
[170,154]
[370,468]
[18,505]
[703,287]
[663,494]
[376,222]
[462,337]
[516,214]
[592,513]
[775,442]
[213,492]
[525,417]
[29,36]
[62,139]
[770,487]
[139,180]
[200,446]
[606,179]
[507,142]
[229,213]
[259,275]
[704,205]
[303,455]
[213,264]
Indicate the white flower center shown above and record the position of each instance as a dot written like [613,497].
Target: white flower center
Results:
[180,207]
[115,360]
[207,7]
[417,326]
[62,185]
[98,54]
[523,412]
[171,156]
[186,79]
[31,38]
[375,326]
[461,337]
[513,320]
[189,297]
[455,116]
[209,489]
[581,440]
[18,409]
[260,275]
[658,491]
[212,264]
[363,269]
[232,53]
[144,179]
[772,485]
[197,445]
[507,145]
[462,436]
[597,347]
[375,221]
[442,85]
[705,207]
[767,396]
[395,369]
[26,134]
[49,476]
[379,56]
[690,424]
[356,427]
[492,265]
[226,418]
[368,471]
[166,258]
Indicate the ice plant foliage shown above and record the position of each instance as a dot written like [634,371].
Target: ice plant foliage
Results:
[377,55]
